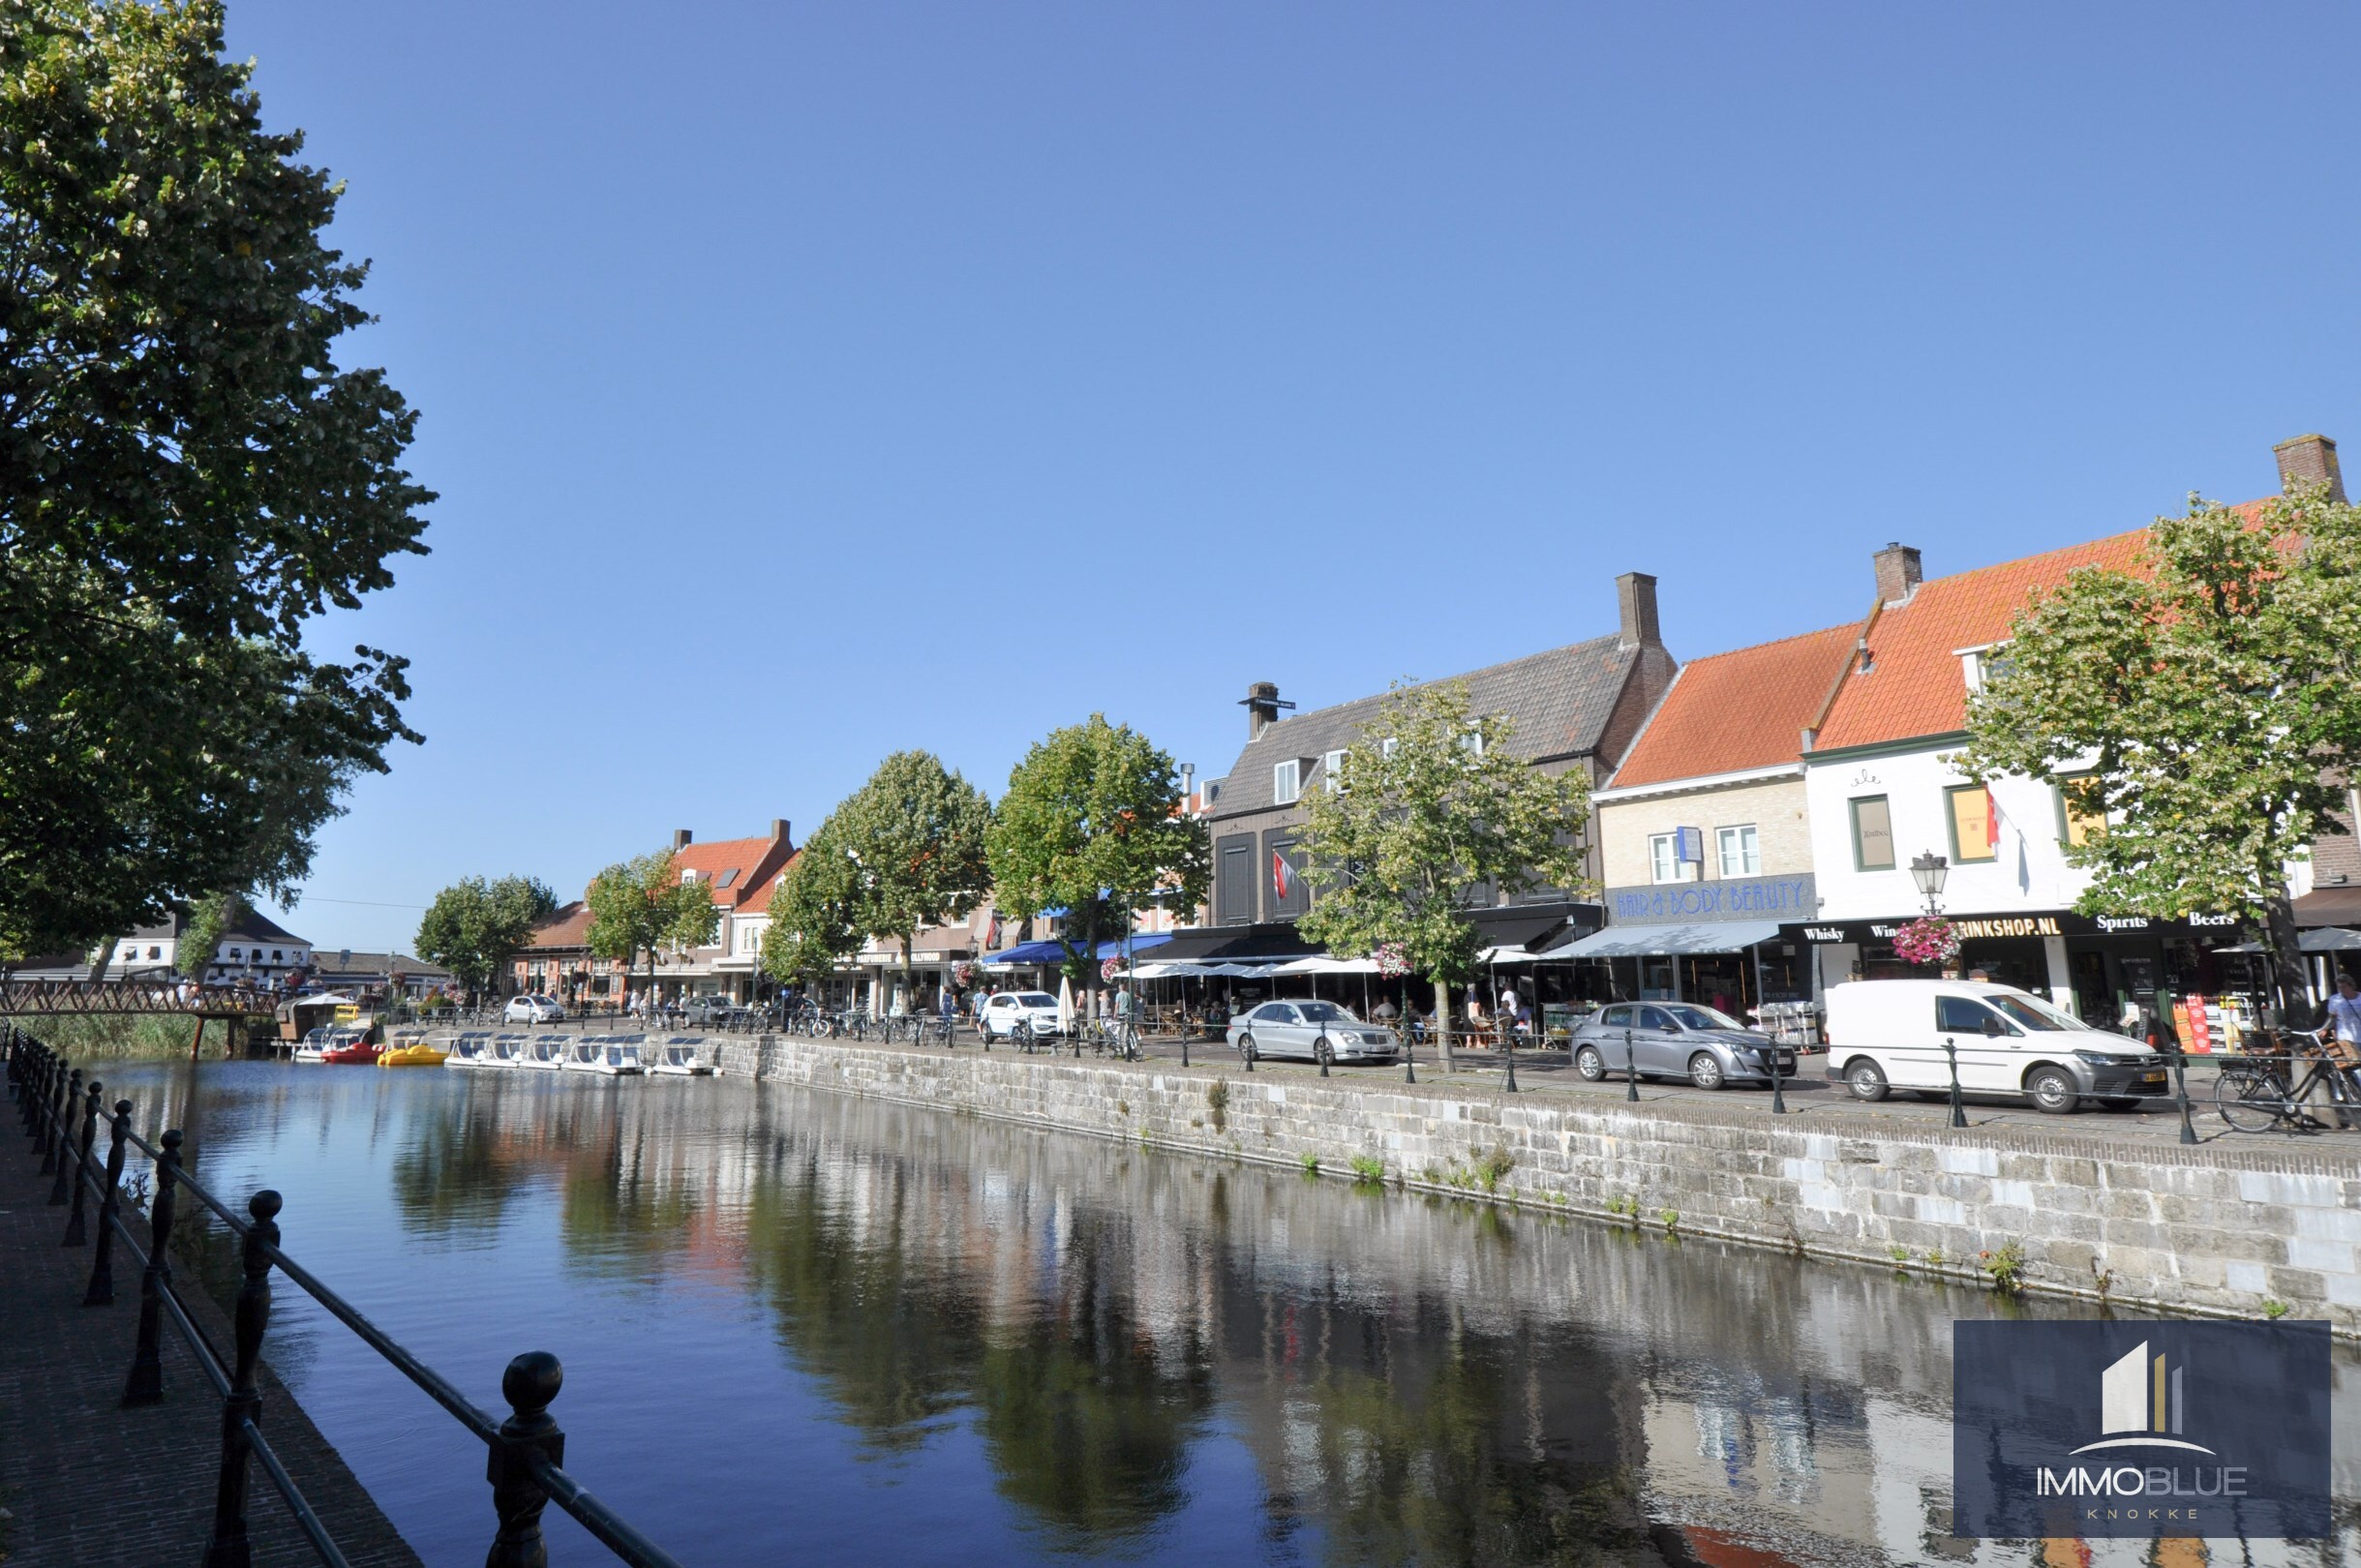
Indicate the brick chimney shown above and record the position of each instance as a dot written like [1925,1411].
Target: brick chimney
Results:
[2308,460]
[778,827]
[1262,704]
[1634,603]
[1898,574]
[681,838]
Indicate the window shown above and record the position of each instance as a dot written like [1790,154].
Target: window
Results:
[1975,826]
[1962,1015]
[1656,1018]
[750,938]
[1472,743]
[1663,858]
[1741,850]
[1616,1017]
[128,953]
[155,953]
[234,956]
[1288,782]
[277,956]
[2081,817]
[1332,771]
[1872,834]
[1387,746]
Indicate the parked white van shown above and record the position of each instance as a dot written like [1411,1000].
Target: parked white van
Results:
[1892,1033]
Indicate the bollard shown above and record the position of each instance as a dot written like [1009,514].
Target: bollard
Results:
[243,1405]
[529,1385]
[75,1235]
[1410,1064]
[1508,1054]
[1184,1042]
[1778,1101]
[1324,1051]
[1631,1069]
[102,1289]
[63,1136]
[145,1385]
[1951,1053]
[2180,1081]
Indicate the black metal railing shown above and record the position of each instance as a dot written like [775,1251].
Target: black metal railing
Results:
[61,1115]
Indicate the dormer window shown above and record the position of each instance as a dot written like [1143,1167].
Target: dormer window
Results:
[1332,772]
[1977,664]
[1288,782]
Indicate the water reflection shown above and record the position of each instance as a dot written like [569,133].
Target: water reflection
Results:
[796,1323]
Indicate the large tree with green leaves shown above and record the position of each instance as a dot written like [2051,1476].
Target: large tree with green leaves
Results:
[1091,824]
[642,906]
[2205,702]
[474,926]
[914,839]
[187,478]
[1432,812]
[815,913]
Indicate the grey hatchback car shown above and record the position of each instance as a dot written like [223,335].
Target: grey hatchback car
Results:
[1313,1031]
[1677,1040]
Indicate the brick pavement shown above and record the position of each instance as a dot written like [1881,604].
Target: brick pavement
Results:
[91,1483]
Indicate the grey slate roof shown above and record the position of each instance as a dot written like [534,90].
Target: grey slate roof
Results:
[1558,701]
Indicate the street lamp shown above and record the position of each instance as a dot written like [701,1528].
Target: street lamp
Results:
[1928,871]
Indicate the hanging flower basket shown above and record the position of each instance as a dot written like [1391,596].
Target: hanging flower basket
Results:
[1392,961]
[1931,939]
[963,975]
[1110,970]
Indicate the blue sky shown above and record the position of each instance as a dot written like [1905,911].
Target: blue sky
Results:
[804,383]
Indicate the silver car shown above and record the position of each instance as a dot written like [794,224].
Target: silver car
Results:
[1677,1040]
[1310,1031]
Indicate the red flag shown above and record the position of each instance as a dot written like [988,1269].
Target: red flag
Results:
[1279,873]
[1991,823]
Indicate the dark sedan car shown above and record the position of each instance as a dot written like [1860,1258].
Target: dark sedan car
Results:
[1677,1040]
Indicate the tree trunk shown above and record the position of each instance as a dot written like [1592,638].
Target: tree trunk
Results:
[1090,961]
[909,975]
[1442,1021]
[2287,976]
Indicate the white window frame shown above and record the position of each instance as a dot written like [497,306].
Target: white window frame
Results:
[1288,781]
[1663,858]
[1332,772]
[1389,745]
[1747,841]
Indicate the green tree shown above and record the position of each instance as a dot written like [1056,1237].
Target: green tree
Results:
[815,913]
[474,926]
[187,477]
[1091,824]
[2205,702]
[1433,813]
[642,906]
[201,937]
[914,837]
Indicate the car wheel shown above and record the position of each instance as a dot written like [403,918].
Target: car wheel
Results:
[2052,1092]
[1865,1079]
[1589,1064]
[1322,1053]
[1245,1048]
[1705,1071]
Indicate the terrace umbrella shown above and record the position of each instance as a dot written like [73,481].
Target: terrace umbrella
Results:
[1065,1003]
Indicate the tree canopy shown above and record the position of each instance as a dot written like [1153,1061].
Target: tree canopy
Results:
[642,906]
[815,913]
[1432,815]
[1091,824]
[474,926]
[2205,704]
[187,478]
[914,837]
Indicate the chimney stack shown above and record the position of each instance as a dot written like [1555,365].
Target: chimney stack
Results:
[1635,602]
[1188,784]
[1262,705]
[1898,574]
[2308,460]
[680,839]
[778,827]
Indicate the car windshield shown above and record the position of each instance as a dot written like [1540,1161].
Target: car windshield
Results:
[1325,1012]
[1038,999]
[2033,1014]
[1689,1015]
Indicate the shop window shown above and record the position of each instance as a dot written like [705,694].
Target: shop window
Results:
[2081,816]
[1287,782]
[1872,834]
[1975,826]
[1741,851]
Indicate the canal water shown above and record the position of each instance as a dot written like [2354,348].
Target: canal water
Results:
[801,1328]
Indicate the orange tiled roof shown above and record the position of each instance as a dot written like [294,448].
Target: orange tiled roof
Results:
[564,929]
[1914,685]
[755,860]
[758,897]
[1741,709]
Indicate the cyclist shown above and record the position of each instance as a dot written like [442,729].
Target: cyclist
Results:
[2344,1022]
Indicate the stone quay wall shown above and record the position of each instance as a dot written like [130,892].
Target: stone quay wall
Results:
[2212,1229]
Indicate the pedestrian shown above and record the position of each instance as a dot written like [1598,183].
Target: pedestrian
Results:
[2344,1025]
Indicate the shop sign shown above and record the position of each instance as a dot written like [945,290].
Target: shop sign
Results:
[2056,923]
[1739,898]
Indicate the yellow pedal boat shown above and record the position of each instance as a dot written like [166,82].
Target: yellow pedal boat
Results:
[417,1053]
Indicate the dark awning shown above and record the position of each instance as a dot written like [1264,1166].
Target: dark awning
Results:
[1270,941]
[1527,926]
[2329,906]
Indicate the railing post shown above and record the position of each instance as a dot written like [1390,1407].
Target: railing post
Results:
[1951,1053]
[145,1385]
[1631,1069]
[101,1291]
[529,1385]
[44,1118]
[1508,1054]
[75,1235]
[2180,1081]
[243,1406]
[1778,1101]
[63,1136]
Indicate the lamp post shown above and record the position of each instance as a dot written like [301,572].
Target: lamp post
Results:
[1930,871]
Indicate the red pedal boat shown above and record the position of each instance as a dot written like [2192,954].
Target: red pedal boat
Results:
[360,1050]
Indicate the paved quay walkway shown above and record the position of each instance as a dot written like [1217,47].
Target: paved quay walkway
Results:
[88,1483]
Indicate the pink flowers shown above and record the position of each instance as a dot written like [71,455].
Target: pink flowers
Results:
[1392,961]
[1931,939]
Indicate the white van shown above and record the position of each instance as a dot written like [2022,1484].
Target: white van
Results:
[1891,1034]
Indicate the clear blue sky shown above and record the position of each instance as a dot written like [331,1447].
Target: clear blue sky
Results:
[806,382]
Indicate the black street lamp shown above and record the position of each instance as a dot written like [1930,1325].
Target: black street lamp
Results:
[1928,871]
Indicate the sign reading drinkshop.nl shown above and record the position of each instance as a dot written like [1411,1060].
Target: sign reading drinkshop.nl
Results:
[2139,1428]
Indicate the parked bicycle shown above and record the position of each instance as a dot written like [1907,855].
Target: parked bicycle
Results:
[2257,1094]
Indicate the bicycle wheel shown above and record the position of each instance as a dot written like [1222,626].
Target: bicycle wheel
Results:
[2249,1099]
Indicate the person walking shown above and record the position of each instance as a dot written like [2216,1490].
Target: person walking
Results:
[2344,1028]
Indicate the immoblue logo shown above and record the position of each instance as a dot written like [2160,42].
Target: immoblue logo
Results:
[2139,1404]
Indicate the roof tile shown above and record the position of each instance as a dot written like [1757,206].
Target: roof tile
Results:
[1736,711]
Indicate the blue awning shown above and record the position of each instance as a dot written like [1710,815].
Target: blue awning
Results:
[1053,952]
[1140,943]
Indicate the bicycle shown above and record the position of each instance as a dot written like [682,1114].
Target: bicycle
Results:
[2257,1094]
